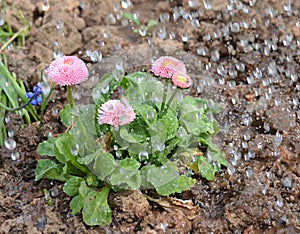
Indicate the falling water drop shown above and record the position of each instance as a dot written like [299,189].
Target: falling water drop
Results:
[207,4]
[10,143]
[125,4]
[46,5]
[15,156]
[215,55]
[10,133]
[162,32]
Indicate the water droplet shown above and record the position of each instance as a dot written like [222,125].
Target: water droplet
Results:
[246,119]
[185,37]
[249,155]
[160,147]
[10,133]
[57,53]
[111,19]
[247,135]
[279,202]
[75,150]
[2,20]
[15,156]
[46,5]
[142,30]
[207,4]
[264,190]
[172,35]
[257,73]
[136,15]
[202,50]
[96,56]
[162,32]
[82,5]
[249,172]
[118,154]
[277,139]
[125,4]
[124,22]
[240,67]
[59,24]
[235,27]
[143,156]
[119,65]
[287,182]
[250,79]
[193,3]
[215,55]
[164,18]
[230,169]
[10,143]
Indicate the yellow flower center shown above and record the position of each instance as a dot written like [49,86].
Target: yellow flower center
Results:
[67,62]
[167,63]
[181,79]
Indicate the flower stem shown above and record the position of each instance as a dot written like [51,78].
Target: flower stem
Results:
[90,145]
[70,96]
[170,101]
[89,141]
[19,107]
[164,96]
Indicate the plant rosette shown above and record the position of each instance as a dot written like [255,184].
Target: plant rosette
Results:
[143,132]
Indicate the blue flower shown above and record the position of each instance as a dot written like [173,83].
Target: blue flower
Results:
[35,96]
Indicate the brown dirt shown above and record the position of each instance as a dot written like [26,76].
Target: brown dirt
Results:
[263,193]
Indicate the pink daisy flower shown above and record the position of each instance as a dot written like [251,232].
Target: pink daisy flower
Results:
[116,113]
[182,80]
[68,70]
[166,66]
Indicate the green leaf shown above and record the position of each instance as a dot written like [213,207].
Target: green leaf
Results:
[104,164]
[76,204]
[206,169]
[124,134]
[177,185]
[193,116]
[83,189]
[71,186]
[130,16]
[135,132]
[160,176]
[135,181]
[170,121]
[49,169]
[216,154]
[66,116]
[184,137]
[151,23]
[158,135]
[143,88]
[63,148]
[104,89]
[46,147]
[96,210]
[212,149]
[84,128]
[147,112]
[127,172]
[86,114]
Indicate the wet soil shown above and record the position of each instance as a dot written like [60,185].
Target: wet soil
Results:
[244,55]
